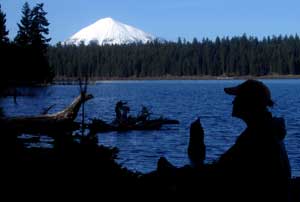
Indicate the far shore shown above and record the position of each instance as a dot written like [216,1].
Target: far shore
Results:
[70,80]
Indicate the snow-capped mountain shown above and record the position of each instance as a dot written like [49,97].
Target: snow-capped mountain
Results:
[110,31]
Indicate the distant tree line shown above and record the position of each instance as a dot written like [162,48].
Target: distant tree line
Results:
[29,59]
[234,56]
[24,60]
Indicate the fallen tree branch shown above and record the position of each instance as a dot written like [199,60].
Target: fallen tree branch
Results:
[48,123]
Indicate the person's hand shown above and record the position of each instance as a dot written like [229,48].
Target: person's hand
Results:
[196,130]
[196,148]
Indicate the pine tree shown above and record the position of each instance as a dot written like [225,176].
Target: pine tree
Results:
[33,45]
[3,31]
[23,35]
[39,28]
[3,50]
[4,53]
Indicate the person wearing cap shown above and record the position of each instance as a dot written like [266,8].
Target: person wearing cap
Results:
[256,167]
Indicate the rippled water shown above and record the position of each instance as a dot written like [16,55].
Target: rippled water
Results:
[182,100]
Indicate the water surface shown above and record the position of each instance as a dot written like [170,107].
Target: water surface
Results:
[183,100]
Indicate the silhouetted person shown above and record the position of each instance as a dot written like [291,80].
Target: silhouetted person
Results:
[144,114]
[121,110]
[118,110]
[256,167]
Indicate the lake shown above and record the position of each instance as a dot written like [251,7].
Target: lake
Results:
[184,100]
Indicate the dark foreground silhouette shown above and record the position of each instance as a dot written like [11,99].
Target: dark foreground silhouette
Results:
[256,168]
[78,167]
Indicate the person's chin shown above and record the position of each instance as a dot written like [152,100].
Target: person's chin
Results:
[234,114]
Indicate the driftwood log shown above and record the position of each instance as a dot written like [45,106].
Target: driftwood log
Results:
[46,123]
[99,125]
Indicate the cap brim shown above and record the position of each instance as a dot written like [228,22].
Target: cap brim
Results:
[231,90]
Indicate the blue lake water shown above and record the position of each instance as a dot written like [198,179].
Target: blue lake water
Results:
[184,100]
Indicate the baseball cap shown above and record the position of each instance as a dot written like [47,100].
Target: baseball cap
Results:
[253,90]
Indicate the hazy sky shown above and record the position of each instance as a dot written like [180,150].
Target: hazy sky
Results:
[168,19]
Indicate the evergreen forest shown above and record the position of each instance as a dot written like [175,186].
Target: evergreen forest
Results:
[236,56]
[30,59]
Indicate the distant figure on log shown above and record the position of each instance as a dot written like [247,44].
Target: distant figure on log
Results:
[144,114]
[256,167]
[121,110]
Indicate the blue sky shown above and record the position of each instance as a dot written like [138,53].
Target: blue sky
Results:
[168,19]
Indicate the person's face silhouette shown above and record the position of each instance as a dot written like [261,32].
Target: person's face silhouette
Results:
[240,107]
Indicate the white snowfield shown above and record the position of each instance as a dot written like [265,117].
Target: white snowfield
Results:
[109,31]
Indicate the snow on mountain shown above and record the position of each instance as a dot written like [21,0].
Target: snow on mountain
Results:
[109,31]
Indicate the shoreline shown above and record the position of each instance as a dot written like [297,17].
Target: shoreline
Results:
[71,80]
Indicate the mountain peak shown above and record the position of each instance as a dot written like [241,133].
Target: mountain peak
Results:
[110,31]
[106,20]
